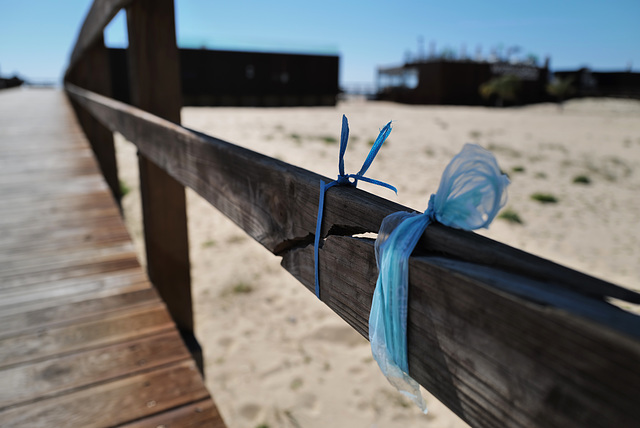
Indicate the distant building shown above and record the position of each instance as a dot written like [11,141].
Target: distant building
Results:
[230,78]
[457,82]
[587,83]
[11,82]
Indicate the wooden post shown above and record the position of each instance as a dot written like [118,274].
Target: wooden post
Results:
[154,72]
[93,72]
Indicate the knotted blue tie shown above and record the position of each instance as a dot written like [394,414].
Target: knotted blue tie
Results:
[471,192]
[347,180]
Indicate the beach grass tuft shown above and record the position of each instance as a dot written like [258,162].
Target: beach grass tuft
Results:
[582,179]
[124,188]
[209,243]
[545,198]
[328,139]
[242,288]
[475,134]
[296,384]
[510,216]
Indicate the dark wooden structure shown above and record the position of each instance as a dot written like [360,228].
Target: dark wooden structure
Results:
[457,82]
[503,338]
[588,83]
[236,78]
[10,82]
[85,340]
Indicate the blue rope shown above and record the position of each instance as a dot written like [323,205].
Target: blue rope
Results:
[347,180]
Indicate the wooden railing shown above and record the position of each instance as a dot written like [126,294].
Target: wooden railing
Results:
[503,338]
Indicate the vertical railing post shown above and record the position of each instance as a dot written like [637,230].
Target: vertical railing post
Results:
[154,72]
[93,72]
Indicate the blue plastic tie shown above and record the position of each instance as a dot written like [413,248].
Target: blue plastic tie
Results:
[347,180]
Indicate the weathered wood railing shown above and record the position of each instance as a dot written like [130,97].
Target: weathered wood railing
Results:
[503,338]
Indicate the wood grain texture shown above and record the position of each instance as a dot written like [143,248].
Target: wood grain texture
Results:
[154,63]
[98,17]
[93,72]
[90,332]
[21,264]
[60,375]
[84,336]
[75,269]
[60,314]
[119,401]
[496,348]
[29,297]
[203,414]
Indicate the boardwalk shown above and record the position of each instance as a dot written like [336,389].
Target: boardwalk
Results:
[84,339]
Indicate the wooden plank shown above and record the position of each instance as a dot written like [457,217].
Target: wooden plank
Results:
[80,238]
[93,72]
[49,204]
[15,145]
[76,269]
[83,332]
[48,231]
[32,297]
[60,314]
[496,348]
[78,186]
[53,204]
[164,217]
[29,217]
[44,233]
[34,382]
[119,402]
[27,261]
[37,177]
[154,62]
[197,415]
[92,332]
[98,17]
[58,205]
[26,165]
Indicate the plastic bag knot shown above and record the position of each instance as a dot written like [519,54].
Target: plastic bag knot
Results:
[471,192]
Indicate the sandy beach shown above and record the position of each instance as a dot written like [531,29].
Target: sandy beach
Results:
[278,357]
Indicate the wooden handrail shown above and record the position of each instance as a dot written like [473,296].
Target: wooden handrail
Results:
[501,337]
[98,17]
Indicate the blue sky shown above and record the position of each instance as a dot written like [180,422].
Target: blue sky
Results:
[36,36]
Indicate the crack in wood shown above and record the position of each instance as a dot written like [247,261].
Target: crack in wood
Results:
[292,244]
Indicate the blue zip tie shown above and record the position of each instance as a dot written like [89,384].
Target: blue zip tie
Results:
[346,180]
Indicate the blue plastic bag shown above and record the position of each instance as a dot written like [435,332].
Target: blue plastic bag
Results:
[471,192]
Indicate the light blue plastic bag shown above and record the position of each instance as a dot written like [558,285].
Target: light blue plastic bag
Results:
[471,192]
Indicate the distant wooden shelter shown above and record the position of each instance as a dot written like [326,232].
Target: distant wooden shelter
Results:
[235,78]
[457,82]
[588,83]
[11,82]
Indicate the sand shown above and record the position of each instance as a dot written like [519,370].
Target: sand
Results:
[275,355]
